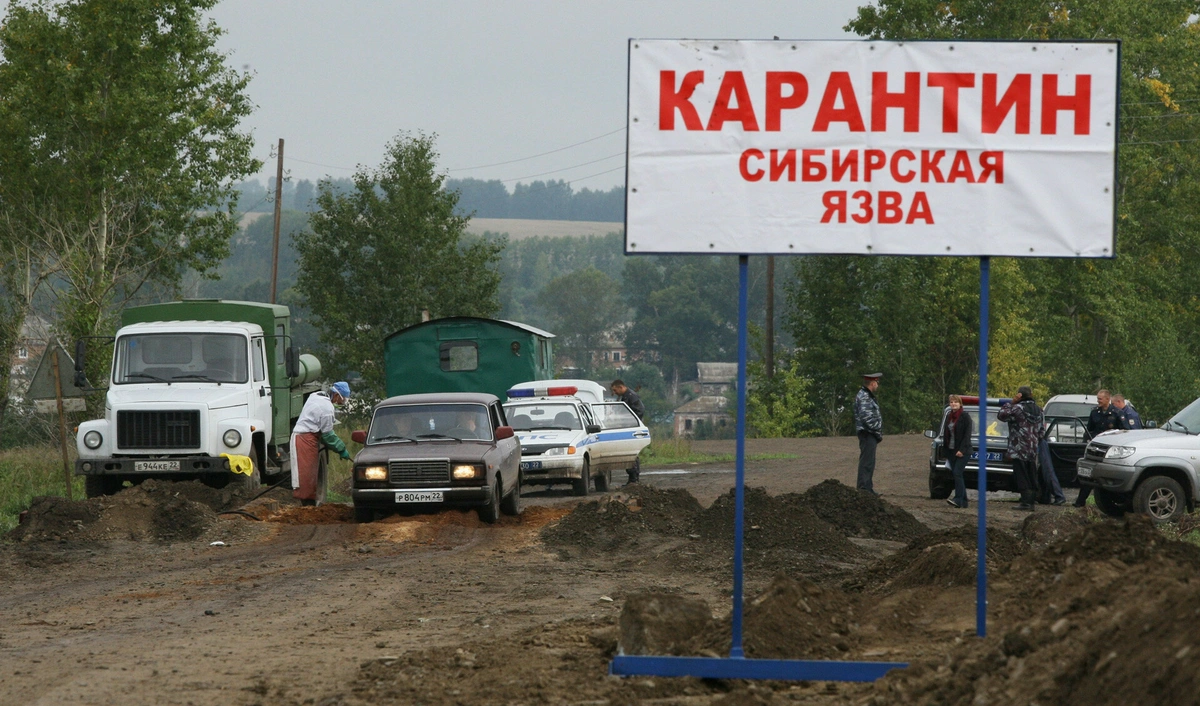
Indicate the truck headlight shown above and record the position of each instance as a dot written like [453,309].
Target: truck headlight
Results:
[373,473]
[93,439]
[561,451]
[1119,452]
[232,438]
[467,472]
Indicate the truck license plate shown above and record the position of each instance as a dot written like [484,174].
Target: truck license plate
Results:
[145,466]
[1084,471]
[421,496]
[531,465]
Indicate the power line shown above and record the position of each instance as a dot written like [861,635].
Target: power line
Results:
[330,166]
[543,154]
[565,169]
[615,169]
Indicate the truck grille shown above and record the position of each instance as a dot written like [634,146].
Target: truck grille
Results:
[158,430]
[1096,452]
[436,470]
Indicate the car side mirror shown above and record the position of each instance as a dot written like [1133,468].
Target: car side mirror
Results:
[291,358]
[593,429]
[504,433]
[930,434]
[359,437]
[1150,424]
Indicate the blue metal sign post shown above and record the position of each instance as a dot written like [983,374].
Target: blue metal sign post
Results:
[737,666]
[985,269]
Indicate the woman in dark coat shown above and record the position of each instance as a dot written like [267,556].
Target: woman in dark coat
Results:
[956,440]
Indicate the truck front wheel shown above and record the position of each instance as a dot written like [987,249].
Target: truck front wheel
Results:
[95,486]
[1161,498]
[1109,503]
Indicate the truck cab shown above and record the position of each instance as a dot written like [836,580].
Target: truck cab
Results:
[184,390]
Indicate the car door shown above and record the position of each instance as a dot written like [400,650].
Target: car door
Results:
[260,400]
[509,449]
[1067,439]
[622,435]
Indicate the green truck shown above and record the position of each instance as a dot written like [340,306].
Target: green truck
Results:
[466,354]
[192,380]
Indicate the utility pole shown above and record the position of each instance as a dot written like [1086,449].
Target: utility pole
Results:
[278,210]
[770,352]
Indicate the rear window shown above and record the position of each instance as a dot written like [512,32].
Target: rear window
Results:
[1069,409]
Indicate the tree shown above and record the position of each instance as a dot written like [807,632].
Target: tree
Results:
[584,307]
[119,144]
[382,253]
[776,406]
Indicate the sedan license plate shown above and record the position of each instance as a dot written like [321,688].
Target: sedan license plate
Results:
[145,466]
[531,465]
[992,456]
[420,496]
[1084,471]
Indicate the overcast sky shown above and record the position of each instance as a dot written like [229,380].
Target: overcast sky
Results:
[496,81]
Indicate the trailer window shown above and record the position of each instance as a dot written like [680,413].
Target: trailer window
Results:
[459,356]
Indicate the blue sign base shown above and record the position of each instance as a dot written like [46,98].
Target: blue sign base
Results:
[742,668]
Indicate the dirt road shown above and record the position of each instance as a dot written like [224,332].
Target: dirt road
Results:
[309,608]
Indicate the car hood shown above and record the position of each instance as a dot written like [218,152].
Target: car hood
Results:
[1149,439]
[177,395]
[547,437]
[464,451]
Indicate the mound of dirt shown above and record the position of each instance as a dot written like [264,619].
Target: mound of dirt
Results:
[791,619]
[619,519]
[150,511]
[776,529]
[942,558]
[858,513]
[1094,618]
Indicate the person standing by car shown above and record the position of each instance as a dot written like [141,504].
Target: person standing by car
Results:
[868,423]
[1024,419]
[956,439]
[314,426]
[630,398]
[1130,419]
[1050,485]
[1104,417]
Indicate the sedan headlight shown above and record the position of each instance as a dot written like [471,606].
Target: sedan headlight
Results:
[232,438]
[465,472]
[1119,452]
[93,439]
[561,451]
[373,473]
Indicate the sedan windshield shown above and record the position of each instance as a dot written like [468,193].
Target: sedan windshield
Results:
[424,422]
[180,357]
[996,429]
[527,417]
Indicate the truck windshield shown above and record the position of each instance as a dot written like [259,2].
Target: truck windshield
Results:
[180,357]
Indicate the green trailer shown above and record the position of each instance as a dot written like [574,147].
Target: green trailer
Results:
[466,354]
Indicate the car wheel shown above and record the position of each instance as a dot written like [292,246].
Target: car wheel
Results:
[604,481]
[511,505]
[1161,498]
[490,513]
[95,486]
[1109,503]
[580,485]
[364,514]
[938,489]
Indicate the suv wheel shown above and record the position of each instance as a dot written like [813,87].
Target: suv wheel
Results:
[1161,498]
[938,488]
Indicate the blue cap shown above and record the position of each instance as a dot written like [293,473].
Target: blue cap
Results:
[341,388]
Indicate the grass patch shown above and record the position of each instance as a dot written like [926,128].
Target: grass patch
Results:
[670,452]
[28,472]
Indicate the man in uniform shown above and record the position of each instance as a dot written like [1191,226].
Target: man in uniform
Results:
[1130,419]
[630,398]
[1104,417]
[314,426]
[868,422]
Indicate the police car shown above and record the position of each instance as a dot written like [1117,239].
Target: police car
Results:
[570,434]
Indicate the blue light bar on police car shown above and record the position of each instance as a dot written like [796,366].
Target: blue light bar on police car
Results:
[542,391]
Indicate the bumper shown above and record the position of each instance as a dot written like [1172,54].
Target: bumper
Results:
[535,470]
[385,498]
[999,477]
[150,466]
[1106,476]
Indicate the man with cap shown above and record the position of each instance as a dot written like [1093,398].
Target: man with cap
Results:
[868,422]
[314,426]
